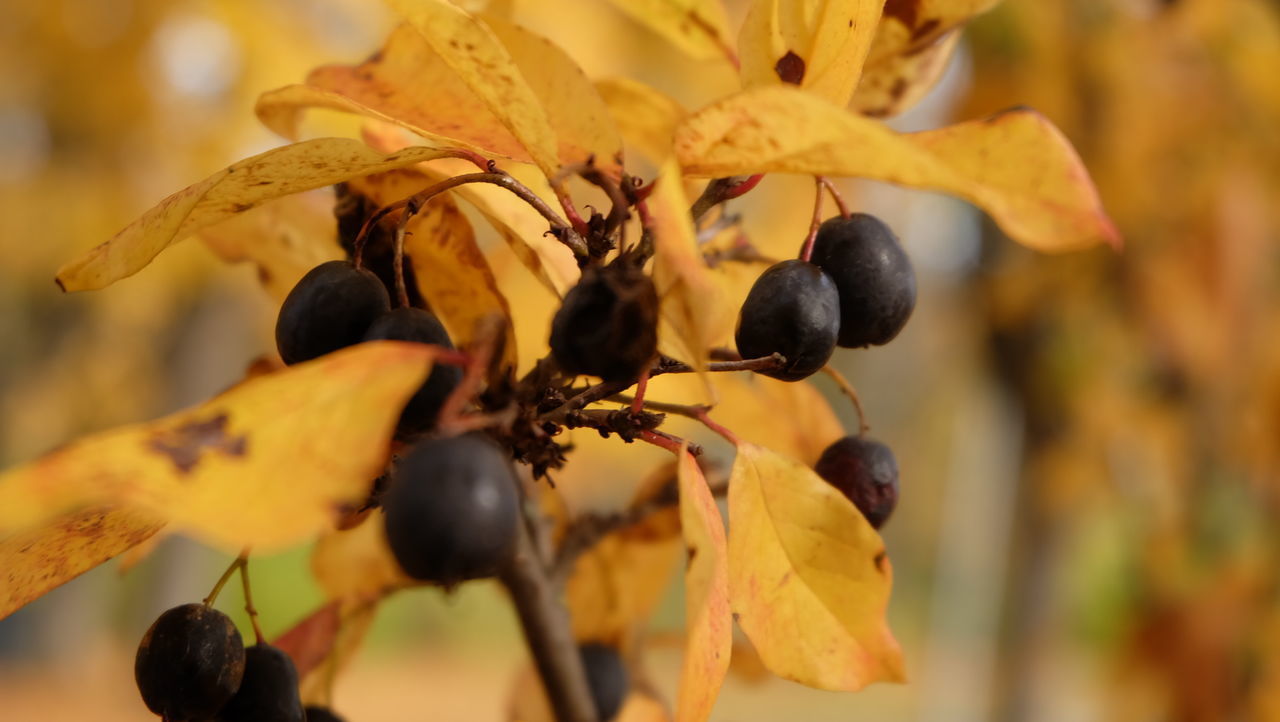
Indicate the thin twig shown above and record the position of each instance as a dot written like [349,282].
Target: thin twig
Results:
[402,293]
[222,580]
[248,600]
[835,195]
[720,190]
[852,393]
[806,250]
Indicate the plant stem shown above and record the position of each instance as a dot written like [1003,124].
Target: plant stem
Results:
[835,195]
[852,393]
[546,627]
[402,293]
[806,250]
[248,599]
[222,580]
[720,190]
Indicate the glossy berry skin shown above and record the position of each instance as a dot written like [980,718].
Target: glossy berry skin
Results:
[607,325]
[451,511]
[269,691]
[607,677]
[419,326]
[866,472]
[331,308]
[873,274]
[793,309]
[322,714]
[190,662]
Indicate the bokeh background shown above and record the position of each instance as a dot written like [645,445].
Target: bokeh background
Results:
[1089,442]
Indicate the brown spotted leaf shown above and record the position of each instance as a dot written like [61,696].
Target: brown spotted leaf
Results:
[898,82]
[808,576]
[819,45]
[909,26]
[235,189]
[698,28]
[1016,165]
[267,464]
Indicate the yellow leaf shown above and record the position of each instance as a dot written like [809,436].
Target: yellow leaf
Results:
[43,557]
[692,303]
[900,81]
[451,272]
[793,418]
[356,564]
[698,28]
[266,464]
[316,687]
[708,618]
[819,45]
[1015,165]
[646,117]
[477,56]
[235,189]
[808,576]
[909,26]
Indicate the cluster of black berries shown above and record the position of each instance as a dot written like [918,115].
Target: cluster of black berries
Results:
[858,289]
[193,667]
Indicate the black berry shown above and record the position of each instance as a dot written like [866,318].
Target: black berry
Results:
[190,662]
[608,324]
[607,677]
[419,326]
[865,471]
[873,274]
[452,509]
[331,308]
[793,309]
[322,714]
[269,692]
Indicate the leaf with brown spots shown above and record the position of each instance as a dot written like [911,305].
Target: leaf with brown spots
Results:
[1016,165]
[909,26]
[898,82]
[38,559]
[235,189]
[698,28]
[808,579]
[267,464]
[819,45]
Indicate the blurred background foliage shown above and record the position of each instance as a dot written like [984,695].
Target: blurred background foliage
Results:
[1088,527]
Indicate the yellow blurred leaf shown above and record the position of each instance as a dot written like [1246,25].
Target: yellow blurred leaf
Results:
[1014,165]
[43,557]
[451,272]
[354,622]
[266,464]
[808,576]
[235,189]
[900,81]
[909,26]
[356,564]
[819,45]
[646,117]
[708,618]
[311,640]
[793,418]
[698,28]
[478,57]
[528,703]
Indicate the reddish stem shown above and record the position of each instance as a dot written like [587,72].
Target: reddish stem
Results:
[570,210]
[700,413]
[665,441]
[806,251]
[637,404]
[743,188]
[848,390]
[835,195]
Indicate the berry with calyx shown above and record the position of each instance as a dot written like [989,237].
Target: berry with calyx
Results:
[793,309]
[321,714]
[331,308]
[873,274]
[451,511]
[269,691]
[866,472]
[190,662]
[607,325]
[607,677]
[419,326]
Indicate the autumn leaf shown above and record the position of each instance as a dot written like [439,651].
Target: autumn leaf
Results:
[40,558]
[708,618]
[909,26]
[451,271]
[1015,165]
[646,117]
[808,576]
[818,45]
[266,464]
[357,564]
[311,640]
[699,28]
[898,82]
[793,418]
[235,189]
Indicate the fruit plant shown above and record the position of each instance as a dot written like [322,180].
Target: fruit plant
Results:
[411,426]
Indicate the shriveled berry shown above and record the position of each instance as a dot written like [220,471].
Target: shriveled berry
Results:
[419,326]
[269,692]
[607,677]
[865,471]
[873,274]
[452,509]
[331,308]
[190,662]
[607,325]
[793,309]
[322,714]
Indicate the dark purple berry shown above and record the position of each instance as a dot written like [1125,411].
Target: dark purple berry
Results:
[607,325]
[793,309]
[322,714]
[873,274]
[452,509]
[331,308]
[865,471]
[269,692]
[607,677]
[419,326]
[190,662]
